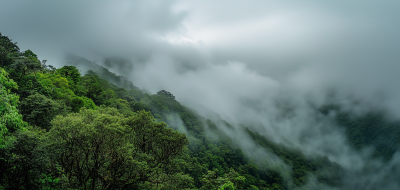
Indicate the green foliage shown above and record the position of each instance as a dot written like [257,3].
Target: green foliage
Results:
[56,85]
[231,180]
[22,163]
[227,186]
[8,51]
[39,110]
[71,73]
[92,85]
[106,97]
[10,119]
[88,103]
[29,53]
[77,103]
[24,66]
[53,80]
[123,94]
[49,182]
[29,85]
[138,106]
[101,148]
[122,105]
[166,93]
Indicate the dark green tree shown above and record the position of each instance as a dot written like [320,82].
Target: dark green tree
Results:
[9,51]
[24,66]
[29,53]
[77,103]
[92,85]
[138,106]
[38,110]
[166,93]
[22,163]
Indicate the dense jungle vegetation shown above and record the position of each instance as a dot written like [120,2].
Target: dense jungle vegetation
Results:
[62,129]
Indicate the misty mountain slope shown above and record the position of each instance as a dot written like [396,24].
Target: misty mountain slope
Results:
[216,144]
[369,129]
[250,82]
[102,72]
[325,171]
[294,168]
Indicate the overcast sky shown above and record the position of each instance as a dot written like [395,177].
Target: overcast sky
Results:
[238,58]
[223,47]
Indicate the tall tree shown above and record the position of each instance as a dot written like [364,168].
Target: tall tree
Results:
[8,51]
[92,86]
[166,93]
[25,65]
[71,73]
[39,110]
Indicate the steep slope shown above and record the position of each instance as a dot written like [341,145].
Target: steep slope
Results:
[213,147]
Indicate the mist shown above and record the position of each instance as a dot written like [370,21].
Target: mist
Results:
[264,64]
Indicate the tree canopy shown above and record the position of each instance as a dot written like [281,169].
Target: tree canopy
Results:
[8,51]
[101,149]
[166,93]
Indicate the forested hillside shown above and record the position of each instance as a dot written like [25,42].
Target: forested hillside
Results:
[63,129]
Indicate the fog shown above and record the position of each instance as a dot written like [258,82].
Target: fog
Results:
[262,63]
